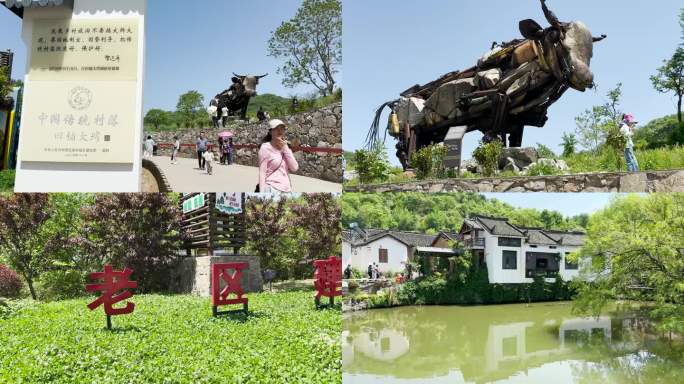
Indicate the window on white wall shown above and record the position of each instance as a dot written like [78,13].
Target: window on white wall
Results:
[382,256]
[509,242]
[509,260]
[569,265]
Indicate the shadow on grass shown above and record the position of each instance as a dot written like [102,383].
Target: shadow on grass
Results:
[126,329]
[290,286]
[327,307]
[239,316]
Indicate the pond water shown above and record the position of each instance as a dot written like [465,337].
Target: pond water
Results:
[520,343]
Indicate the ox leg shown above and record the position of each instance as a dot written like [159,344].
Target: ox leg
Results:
[516,136]
[402,153]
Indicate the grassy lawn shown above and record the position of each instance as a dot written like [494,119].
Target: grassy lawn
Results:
[173,339]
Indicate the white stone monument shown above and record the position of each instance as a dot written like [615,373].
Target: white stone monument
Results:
[82,117]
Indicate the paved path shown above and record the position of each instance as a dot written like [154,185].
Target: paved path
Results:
[187,177]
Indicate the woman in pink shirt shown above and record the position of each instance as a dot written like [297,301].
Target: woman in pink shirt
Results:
[276,160]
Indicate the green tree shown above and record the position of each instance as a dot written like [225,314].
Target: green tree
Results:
[189,106]
[318,215]
[635,250]
[5,86]
[136,230]
[569,144]
[157,117]
[311,44]
[271,235]
[670,78]
[594,125]
[30,237]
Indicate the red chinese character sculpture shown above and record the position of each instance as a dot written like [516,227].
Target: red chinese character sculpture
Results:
[221,272]
[113,281]
[328,279]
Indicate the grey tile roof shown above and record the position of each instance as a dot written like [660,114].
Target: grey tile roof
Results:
[501,227]
[498,226]
[538,236]
[32,3]
[414,239]
[567,238]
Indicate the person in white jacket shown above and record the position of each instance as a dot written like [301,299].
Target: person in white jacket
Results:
[627,129]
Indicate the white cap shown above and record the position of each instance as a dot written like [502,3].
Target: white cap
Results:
[275,123]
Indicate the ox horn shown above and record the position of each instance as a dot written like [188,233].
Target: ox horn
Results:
[550,16]
[597,39]
[240,76]
[259,77]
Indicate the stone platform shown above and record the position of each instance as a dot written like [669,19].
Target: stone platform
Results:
[194,274]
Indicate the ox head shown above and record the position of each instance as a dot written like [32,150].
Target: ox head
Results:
[249,82]
[573,44]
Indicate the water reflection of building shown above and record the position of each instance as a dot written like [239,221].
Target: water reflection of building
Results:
[472,344]
[509,344]
[382,345]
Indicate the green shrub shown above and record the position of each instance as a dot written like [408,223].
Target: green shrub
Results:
[545,152]
[7,180]
[372,166]
[537,169]
[428,162]
[487,155]
[606,160]
[10,283]
[476,289]
[61,285]
[356,274]
[569,144]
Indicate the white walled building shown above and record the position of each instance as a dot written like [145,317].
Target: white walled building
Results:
[516,254]
[389,249]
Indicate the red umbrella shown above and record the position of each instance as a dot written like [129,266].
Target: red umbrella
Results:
[226,134]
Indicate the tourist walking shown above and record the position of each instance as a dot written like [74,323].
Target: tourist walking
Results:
[213,111]
[627,129]
[209,161]
[375,271]
[176,148]
[370,270]
[149,148]
[224,115]
[201,147]
[229,154]
[276,160]
[348,272]
[220,148]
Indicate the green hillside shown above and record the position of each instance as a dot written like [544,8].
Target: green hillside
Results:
[270,102]
[431,213]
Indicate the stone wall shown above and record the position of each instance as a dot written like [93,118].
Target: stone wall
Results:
[653,181]
[194,274]
[315,138]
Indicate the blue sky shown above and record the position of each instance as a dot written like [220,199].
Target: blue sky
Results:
[390,45]
[568,204]
[195,48]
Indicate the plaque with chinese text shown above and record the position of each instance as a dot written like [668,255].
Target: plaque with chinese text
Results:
[76,49]
[74,121]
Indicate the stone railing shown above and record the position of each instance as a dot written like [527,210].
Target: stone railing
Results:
[315,138]
[651,181]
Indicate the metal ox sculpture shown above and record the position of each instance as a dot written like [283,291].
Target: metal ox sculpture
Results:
[236,98]
[512,86]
